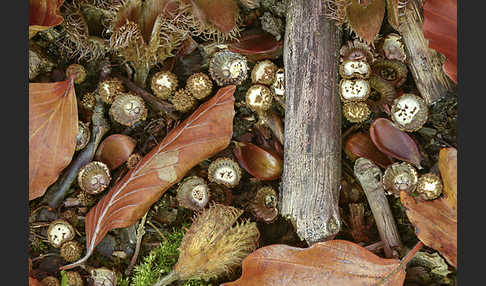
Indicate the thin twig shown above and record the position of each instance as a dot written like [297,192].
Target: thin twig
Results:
[157,230]
[140,233]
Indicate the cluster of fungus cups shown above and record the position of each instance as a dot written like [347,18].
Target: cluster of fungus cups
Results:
[60,234]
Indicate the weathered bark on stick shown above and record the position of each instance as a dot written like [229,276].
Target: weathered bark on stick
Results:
[424,63]
[312,160]
[370,177]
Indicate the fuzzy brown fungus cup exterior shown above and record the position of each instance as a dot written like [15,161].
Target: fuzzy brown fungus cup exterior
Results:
[85,199]
[133,160]
[199,85]
[77,71]
[94,177]
[264,72]
[259,98]
[355,69]
[409,112]
[84,134]
[59,232]
[264,205]
[224,171]
[164,83]
[74,278]
[354,89]
[429,186]
[226,67]
[356,50]
[193,193]
[393,48]
[71,251]
[183,101]
[109,89]
[356,112]
[50,281]
[128,109]
[392,71]
[400,177]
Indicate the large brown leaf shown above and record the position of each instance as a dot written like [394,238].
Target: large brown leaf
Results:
[220,13]
[440,28]
[53,126]
[366,21]
[43,14]
[334,262]
[436,221]
[203,134]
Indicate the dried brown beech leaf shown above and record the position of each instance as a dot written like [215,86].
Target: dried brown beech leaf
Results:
[257,45]
[448,172]
[436,221]
[220,13]
[53,126]
[440,28]
[203,134]
[366,21]
[333,262]
[43,14]
[393,15]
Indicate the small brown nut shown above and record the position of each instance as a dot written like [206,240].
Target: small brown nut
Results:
[59,232]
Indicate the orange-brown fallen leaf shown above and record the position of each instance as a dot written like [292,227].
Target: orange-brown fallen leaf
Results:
[440,28]
[53,126]
[202,135]
[436,221]
[43,14]
[365,20]
[334,262]
[220,13]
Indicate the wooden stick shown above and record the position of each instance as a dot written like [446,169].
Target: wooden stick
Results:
[369,176]
[312,161]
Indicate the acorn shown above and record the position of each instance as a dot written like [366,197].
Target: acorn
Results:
[183,101]
[429,186]
[264,205]
[400,177]
[355,69]
[259,98]
[214,245]
[409,112]
[193,193]
[395,72]
[83,136]
[226,67]
[264,72]
[71,251]
[354,90]
[74,278]
[94,177]
[109,89]
[59,232]
[77,71]
[115,149]
[163,84]
[133,160]
[128,109]
[50,281]
[224,171]
[258,162]
[199,85]
[356,112]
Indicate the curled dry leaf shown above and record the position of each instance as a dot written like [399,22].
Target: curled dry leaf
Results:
[436,221]
[365,20]
[257,45]
[220,13]
[203,134]
[53,126]
[334,262]
[43,14]
[440,28]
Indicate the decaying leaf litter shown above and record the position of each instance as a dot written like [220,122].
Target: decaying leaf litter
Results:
[190,98]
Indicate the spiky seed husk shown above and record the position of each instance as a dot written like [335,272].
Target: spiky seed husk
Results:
[199,85]
[164,83]
[109,89]
[183,101]
[85,199]
[94,177]
[215,244]
[133,160]
[224,171]
[74,278]
[88,101]
[356,112]
[356,50]
[128,109]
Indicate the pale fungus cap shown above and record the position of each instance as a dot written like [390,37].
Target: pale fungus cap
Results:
[429,186]
[94,177]
[400,177]
[128,109]
[224,171]
[354,89]
[355,69]
[59,232]
[264,205]
[409,112]
[356,112]
[259,98]
[264,72]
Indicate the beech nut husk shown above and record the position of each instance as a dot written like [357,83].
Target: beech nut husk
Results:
[115,149]
[360,145]
[261,164]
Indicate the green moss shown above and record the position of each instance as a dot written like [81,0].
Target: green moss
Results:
[159,262]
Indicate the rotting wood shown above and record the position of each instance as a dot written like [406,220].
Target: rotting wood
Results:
[425,64]
[370,177]
[312,160]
